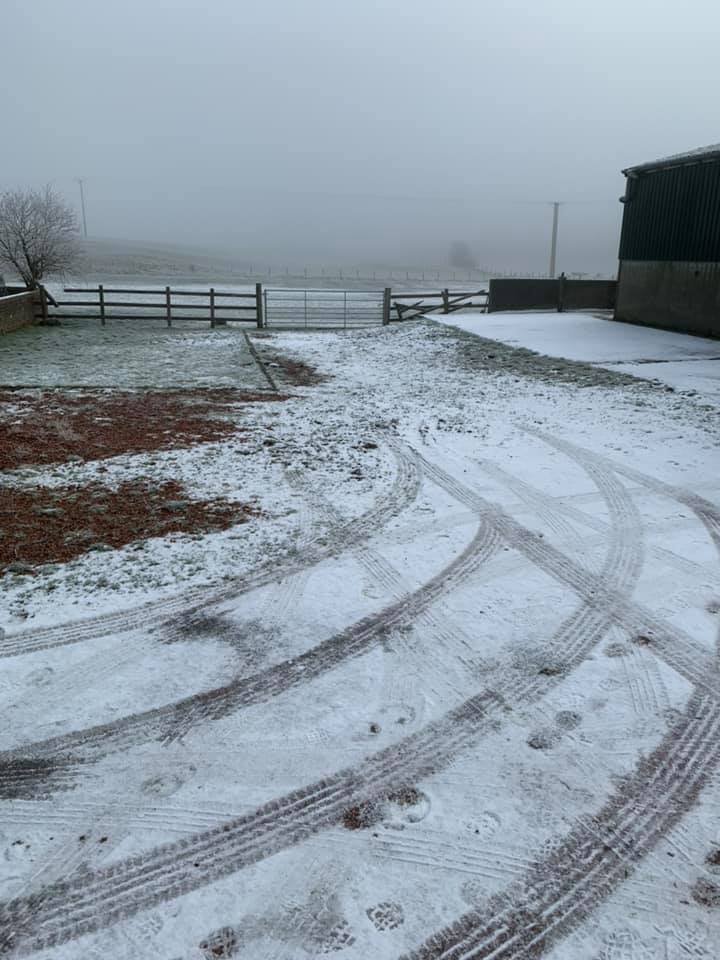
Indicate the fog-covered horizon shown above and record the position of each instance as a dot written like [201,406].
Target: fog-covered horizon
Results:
[319,132]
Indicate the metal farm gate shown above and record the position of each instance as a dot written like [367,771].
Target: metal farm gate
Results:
[344,309]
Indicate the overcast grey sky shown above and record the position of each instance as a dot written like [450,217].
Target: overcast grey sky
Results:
[347,131]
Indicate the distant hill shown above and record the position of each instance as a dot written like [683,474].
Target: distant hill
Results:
[118,259]
[124,261]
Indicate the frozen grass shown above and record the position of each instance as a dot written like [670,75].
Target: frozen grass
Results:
[129,353]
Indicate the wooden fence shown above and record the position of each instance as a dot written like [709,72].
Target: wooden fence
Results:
[446,301]
[166,304]
[276,307]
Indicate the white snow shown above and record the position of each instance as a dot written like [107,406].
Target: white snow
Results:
[583,481]
[688,156]
[677,359]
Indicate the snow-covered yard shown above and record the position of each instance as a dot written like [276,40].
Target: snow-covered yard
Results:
[681,361]
[455,693]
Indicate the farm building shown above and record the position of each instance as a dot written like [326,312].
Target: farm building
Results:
[670,244]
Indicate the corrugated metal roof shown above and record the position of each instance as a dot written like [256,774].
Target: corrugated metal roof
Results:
[700,155]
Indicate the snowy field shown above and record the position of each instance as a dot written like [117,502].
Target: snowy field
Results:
[681,361]
[129,353]
[456,695]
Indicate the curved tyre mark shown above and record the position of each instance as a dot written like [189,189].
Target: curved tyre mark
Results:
[174,719]
[679,650]
[595,858]
[542,505]
[706,511]
[103,897]
[100,898]
[403,491]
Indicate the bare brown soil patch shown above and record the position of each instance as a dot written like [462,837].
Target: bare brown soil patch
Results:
[57,426]
[405,797]
[368,813]
[293,371]
[706,893]
[713,858]
[361,816]
[56,524]
[220,944]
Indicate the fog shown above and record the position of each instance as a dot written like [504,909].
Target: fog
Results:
[337,131]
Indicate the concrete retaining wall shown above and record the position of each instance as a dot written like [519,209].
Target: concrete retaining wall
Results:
[19,310]
[589,294]
[560,294]
[670,294]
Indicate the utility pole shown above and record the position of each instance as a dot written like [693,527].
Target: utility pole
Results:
[553,243]
[82,204]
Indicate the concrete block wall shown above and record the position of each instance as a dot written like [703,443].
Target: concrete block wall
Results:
[589,294]
[670,294]
[19,310]
[566,294]
[523,295]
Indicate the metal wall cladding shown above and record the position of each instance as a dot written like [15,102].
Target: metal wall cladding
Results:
[673,214]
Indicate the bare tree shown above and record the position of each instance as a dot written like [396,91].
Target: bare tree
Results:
[38,234]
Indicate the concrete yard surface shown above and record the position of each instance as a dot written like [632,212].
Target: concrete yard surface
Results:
[452,689]
[677,359]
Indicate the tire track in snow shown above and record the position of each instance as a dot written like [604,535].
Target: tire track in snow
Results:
[596,856]
[290,588]
[101,897]
[680,651]
[555,510]
[62,753]
[107,896]
[437,851]
[548,511]
[644,679]
[403,491]
[440,635]
[707,512]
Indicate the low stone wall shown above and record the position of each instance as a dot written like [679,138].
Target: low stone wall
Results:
[560,294]
[19,310]
[671,295]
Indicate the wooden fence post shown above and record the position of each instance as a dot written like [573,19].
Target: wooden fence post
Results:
[259,305]
[387,294]
[43,305]
[101,297]
[168,308]
[212,306]
[445,293]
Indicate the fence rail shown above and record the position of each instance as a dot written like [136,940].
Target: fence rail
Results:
[446,301]
[167,305]
[265,307]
